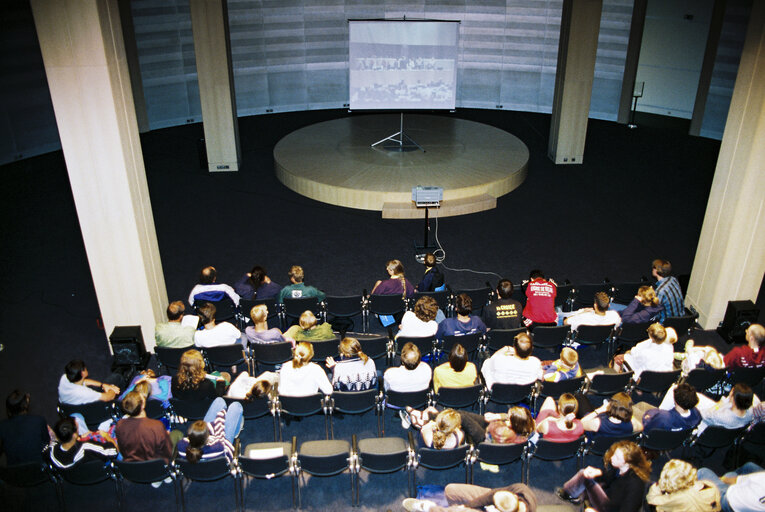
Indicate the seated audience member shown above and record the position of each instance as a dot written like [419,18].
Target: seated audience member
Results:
[540,301]
[732,411]
[74,387]
[193,383]
[683,416]
[598,314]
[614,418]
[505,312]
[249,388]
[751,355]
[301,377]
[22,436]
[515,427]
[209,290]
[464,323]
[458,372]
[176,333]
[308,329]
[667,289]
[472,498]
[621,486]
[557,421]
[442,430]
[433,279]
[412,375]
[256,284]
[742,490]
[656,353]
[704,357]
[354,371]
[151,386]
[421,322]
[679,490]
[513,365]
[643,308]
[212,334]
[214,436]
[141,438]
[297,289]
[259,332]
[567,367]
[70,451]
[396,284]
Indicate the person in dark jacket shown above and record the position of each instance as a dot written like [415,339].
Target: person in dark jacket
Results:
[643,308]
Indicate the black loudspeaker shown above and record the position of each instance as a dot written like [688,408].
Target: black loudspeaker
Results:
[738,317]
[127,346]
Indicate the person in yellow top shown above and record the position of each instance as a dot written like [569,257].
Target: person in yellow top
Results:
[458,372]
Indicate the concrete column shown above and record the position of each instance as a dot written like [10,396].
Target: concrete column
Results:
[730,257]
[580,24]
[131,52]
[212,46]
[631,62]
[705,78]
[84,57]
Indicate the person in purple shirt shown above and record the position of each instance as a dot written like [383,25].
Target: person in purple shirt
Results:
[464,322]
[643,308]
[256,284]
[396,284]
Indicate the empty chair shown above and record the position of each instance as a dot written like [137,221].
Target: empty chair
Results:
[324,349]
[302,406]
[191,410]
[346,307]
[384,455]
[599,445]
[750,376]
[400,400]
[266,461]
[94,413]
[443,459]
[564,296]
[155,409]
[682,324]
[508,394]
[168,359]
[223,357]
[595,336]
[28,476]
[245,306]
[389,305]
[627,335]
[83,474]
[499,338]
[703,445]
[325,458]
[374,346]
[271,354]
[356,402]
[425,344]
[501,454]
[441,298]
[623,293]
[147,472]
[550,337]
[663,440]
[656,383]
[460,398]
[225,309]
[293,307]
[479,296]
[556,389]
[552,451]
[210,470]
[607,384]
[703,379]
[583,294]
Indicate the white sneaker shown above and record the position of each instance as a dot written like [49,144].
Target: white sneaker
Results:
[168,480]
[406,420]
[156,484]
[415,505]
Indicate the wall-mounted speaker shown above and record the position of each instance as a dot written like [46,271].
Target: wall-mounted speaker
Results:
[739,315]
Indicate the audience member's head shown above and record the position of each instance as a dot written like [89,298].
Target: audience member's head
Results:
[755,335]
[633,456]
[505,288]
[144,388]
[410,356]
[65,429]
[206,313]
[569,357]
[657,333]
[307,320]
[351,347]
[430,260]
[191,369]
[521,421]
[662,268]
[458,358]
[426,308]
[742,396]
[620,407]
[197,434]
[208,275]
[648,296]
[257,276]
[463,304]
[302,355]
[259,314]
[296,274]
[17,403]
[536,274]
[133,403]
[447,422]
[395,268]
[567,407]
[75,370]
[602,301]
[676,475]
[685,396]
[523,345]
[175,310]
[260,389]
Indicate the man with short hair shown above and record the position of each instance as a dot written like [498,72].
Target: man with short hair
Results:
[751,355]
[141,438]
[70,451]
[22,436]
[504,313]
[540,300]
[176,332]
[297,289]
[683,416]
[412,375]
[209,290]
[74,387]
[732,411]
[598,314]
[513,365]
[667,289]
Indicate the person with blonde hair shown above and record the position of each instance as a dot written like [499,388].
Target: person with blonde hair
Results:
[396,284]
[566,367]
[301,377]
[412,375]
[614,418]
[473,498]
[354,371]
[309,329]
[679,490]
[444,431]
[297,289]
[515,427]
[192,382]
[643,308]
[557,421]
[457,372]
[598,314]
[421,321]
[621,486]
[656,353]
[259,332]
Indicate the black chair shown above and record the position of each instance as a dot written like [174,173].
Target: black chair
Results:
[210,470]
[155,410]
[479,296]
[509,394]
[551,337]
[223,357]
[245,306]
[595,336]
[94,413]
[584,294]
[225,309]
[302,406]
[324,349]
[326,458]
[293,307]
[168,359]
[384,455]
[84,474]
[556,389]
[191,410]
[703,380]
[623,293]
[501,454]
[656,383]
[400,400]
[425,344]
[374,346]
[443,459]
[147,472]
[551,451]
[356,402]
[752,441]
[390,305]
[266,461]
[500,338]
[29,476]
[470,342]
[271,354]
[460,398]
[683,325]
[750,376]
[663,441]
[598,445]
[607,384]
[702,445]
[441,298]
[627,335]
[519,294]
[345,306]
[564,296]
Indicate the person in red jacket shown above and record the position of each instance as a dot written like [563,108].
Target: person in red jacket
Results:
[540,300]
[751,355]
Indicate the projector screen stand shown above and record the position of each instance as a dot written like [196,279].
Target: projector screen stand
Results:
[403,143]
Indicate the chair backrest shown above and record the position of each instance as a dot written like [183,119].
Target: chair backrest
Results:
[510,393]
[190,409]
[155,410]
[719,437]
[458,398]
[657,382]
[272,353]
[86,473]
[386,304]
[354,402]
[324,349]
[609,383]
[623,293]
[94,412]
[424,343]
[550,450]
[143,472]
[254,409]
[442,459]
[382,454]
[702,379]
[556,389]
[400,399]
[295,306]
[324,458]
[500,454]
[169,358]
[682,324]
[372,345]
[225,355]
[584,294]
[479,296]
[24,475]
[663,440]
[633,333]
[498,338]
[469,342]
[441,298]
[225,309]
[550,336]
[301,405]
[750,376]
[268,463]
[246,306]
[204,470]
[594,334]
[756,435]
[345,305]
[564,293]
[599,445]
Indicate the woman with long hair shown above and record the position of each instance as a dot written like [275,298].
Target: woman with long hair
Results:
[354,370]
[421,321]
[214,436]
[679,490]
[614,418]
[301,377]
[619,487]
[515,427]
[557,421]
[643,308]
[397,283]
[193,383]
[457,372]
[444,431]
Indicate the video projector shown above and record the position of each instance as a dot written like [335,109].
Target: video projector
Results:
[427,196]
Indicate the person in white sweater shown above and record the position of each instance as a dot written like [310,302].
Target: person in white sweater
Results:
[656,353]
[513,365]
[301,377]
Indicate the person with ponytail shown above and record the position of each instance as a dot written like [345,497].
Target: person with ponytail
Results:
[214,436]
[396,284]
[301,377]
[443,432]
[256,285]
[354,370]
[557,422]
[643,308]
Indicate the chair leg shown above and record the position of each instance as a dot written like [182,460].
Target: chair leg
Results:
[178,489]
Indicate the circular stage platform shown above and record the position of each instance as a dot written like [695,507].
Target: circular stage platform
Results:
[334,162]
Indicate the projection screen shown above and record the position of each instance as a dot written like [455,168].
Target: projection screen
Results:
[403,64]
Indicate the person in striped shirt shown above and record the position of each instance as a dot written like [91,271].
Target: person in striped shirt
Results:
[667,289]
[70,450]
[214,436]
